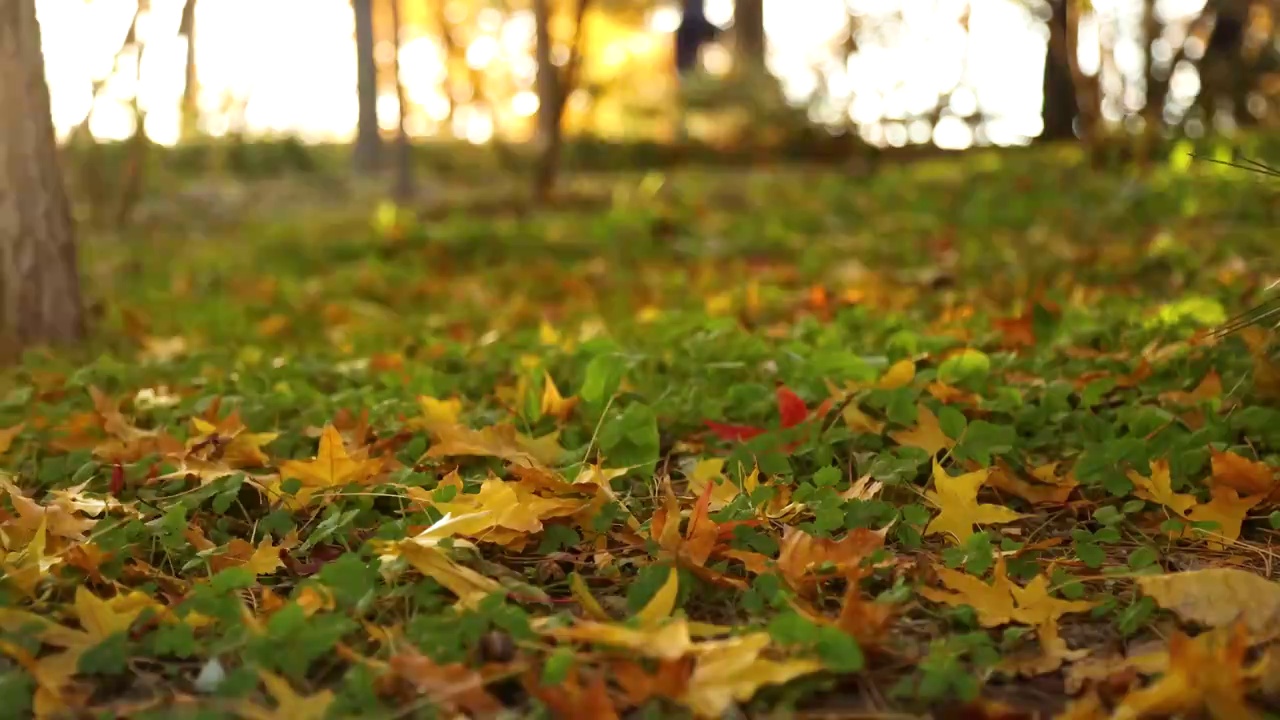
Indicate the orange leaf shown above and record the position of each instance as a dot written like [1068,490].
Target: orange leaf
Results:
[1246,476]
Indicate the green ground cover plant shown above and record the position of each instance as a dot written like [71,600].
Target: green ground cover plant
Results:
[951,439]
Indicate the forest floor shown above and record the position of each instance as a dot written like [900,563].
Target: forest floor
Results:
[947,440]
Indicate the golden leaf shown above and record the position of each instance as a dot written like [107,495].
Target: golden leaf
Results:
[332,467]
[926,435]
[957,500]
[1219,597]
[1159,488]
[733,670]
[7,435]
[662,603]
[289,704]
[1188,686]
[1246,476]
[1002,601]
[899,375]
[553,403]
[1227,509]
[993,602]
[500,441]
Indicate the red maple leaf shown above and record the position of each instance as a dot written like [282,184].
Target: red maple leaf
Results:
[791,408]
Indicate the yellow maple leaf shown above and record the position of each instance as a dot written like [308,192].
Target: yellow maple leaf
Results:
[926,435]
[500,441]
[662,603]
[60,520]
[229,441]
[436,413]
[899,375]
[669,641]
[1247,476]
[1209,388]
[7,435]
[711,471]
[1050,489]
[992,601]
[1037,607]
[553,403]
[332,467]
[957,500]
[1204,673]
[289,704]
[1002,601]
[1052,652]
[422,552]
[1159,488]
[1219,597]
[507,505]
[1227,509]
[732,671]
[25,566]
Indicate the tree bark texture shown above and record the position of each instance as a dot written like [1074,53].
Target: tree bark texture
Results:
[368,150]
[547,80]
[191,88]
[748,27]
[1059,109]
[39,282]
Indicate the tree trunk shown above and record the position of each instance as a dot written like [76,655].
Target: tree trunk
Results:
[1059,108]
[748,27]
[368,150]
[39,283]
[552,101]
[191,89]
[1088,92]
[547,78]
[403,189]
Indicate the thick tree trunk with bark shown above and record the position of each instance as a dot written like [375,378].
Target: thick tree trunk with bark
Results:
[1059,108]
[548,80]
[403,189]
[191,89]
[748,27]
[39,282]
[368,150]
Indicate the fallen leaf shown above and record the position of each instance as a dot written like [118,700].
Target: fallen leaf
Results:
[553,403]
[1049,489]
[959,510]
[1052,652]
[332,467]
[7,435]
[1001,601]
[1210,388]
[733,670]
[452,685]
[1227,509]
[992,601]
[1189,686]
[1158,488]
[800,553]
[1248,477]
[289,704]
[1219,597]
[926,435]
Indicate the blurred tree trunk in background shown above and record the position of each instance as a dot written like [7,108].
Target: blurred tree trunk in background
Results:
[403,189]
[191,89]
[547,81]
[368,150]
[1088,93]
[748,27]
[553,93]
[1059,109]
[39,283]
